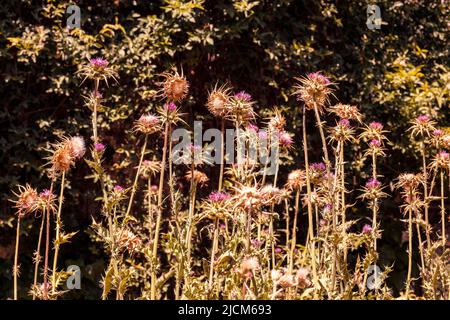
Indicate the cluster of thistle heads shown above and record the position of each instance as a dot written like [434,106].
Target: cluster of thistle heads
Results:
[246,206]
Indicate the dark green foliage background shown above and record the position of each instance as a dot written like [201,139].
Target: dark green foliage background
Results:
[393,74]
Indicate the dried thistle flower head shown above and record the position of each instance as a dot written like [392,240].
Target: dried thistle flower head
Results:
[218,101]
[313,90]
[441,161]
[302,278]
[446,141]
[198,177]
[271,194]
[277,122]
[345,111]
[174,86]
[150,168]
[98,69]
[130,242]
[287,281]
[62,157]
[408,181]
[148,124]
[296,180]
[248,197]
[248,267]
[26,200]
[316,172]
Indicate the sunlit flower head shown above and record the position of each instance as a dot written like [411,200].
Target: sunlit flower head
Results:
[313,90]
[148,124]
[26,200]
[218,101]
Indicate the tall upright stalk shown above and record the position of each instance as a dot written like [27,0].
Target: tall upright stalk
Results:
[47,243]
[294,232]
[222,153]
[136,178]
[38,254]
[16,257]
[308,190]
[443,235]
[159,210]
[58,230]
[410,249]
[425,187]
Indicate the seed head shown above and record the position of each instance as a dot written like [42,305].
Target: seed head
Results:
[77,147]
[218,101]
[174,86]
[248,267]
[26,200]
[198,177]
[296,180]
[345,111]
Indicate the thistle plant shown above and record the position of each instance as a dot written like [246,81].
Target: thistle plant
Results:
[169,231]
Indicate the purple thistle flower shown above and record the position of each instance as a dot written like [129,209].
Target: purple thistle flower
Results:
[372,184]
[99,147]
[285,139]
[98,62]
[376,126]
[443,155]
[118,188]
[423,118]
[278,250]
[438,133]
[367,229]
[318,166]
[243,96]
[375,143]
[45,194]
[218,196]
[344,122]
[317,76]
[170,106]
